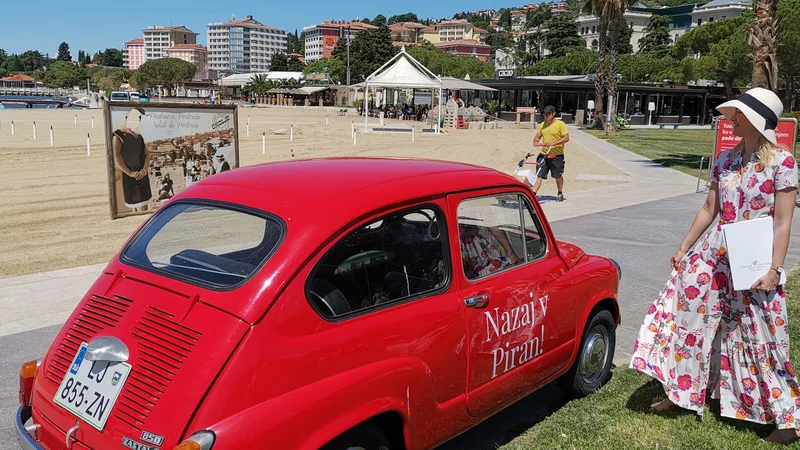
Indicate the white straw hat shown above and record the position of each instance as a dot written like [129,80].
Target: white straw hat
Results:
[762,108]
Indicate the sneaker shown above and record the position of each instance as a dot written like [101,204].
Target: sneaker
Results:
[560,197]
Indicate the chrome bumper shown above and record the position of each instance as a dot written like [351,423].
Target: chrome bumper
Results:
[25,440]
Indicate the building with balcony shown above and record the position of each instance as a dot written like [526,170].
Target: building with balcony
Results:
[588,28]
[466,47]
[158,39]
[719,9]
[133,54]
[407,32]
[453,30]
[243,46]
[192,53]
[321,39]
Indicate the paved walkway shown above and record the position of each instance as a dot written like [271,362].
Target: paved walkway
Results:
[39,300]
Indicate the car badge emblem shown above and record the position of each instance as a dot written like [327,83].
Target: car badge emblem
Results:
[115,378]
[152,438]
[136,445]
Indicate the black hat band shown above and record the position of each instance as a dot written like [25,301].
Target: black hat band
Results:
[760,109]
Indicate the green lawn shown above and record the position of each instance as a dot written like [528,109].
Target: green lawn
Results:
[677,149]
[618,416]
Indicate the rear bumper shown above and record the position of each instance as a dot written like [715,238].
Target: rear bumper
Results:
[25,440]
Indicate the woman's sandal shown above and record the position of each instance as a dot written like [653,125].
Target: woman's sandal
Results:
[663,405]
[785,436]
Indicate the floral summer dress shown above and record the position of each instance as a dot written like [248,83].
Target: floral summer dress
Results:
[701,333]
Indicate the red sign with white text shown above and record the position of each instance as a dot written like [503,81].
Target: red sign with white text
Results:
[786,134]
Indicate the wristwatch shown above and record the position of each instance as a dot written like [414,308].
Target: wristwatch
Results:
[778,269]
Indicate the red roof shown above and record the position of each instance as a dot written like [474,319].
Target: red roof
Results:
[406,26]
[137,41]
[18,77]
[188,46]
[465,42]
[353,25]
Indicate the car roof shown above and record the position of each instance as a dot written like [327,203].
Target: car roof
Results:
[338,181]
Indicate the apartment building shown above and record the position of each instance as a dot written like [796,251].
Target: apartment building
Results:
[158,39]
[453,30]
[321,39]
[192,53]
[466,47]
[243,46]
[589,28]
[133,54]
[407,32]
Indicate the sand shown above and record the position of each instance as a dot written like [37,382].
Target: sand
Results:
[54,206]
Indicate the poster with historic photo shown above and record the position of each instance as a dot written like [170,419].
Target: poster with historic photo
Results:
[155,151]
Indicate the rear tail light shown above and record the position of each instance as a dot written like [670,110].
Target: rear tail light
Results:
[27,373]
[202,440]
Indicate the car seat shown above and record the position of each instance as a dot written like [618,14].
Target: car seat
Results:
[329,300]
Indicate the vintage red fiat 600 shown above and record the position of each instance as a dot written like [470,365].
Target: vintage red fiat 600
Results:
[339,303]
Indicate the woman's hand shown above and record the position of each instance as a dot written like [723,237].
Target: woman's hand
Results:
[768,282]
[676,259]
[140,174]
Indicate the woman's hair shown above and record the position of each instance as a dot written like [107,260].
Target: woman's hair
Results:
[767,151]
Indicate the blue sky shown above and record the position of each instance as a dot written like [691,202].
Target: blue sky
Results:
[93,25]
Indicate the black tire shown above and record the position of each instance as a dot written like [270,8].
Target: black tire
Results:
[589,372]
[363,437]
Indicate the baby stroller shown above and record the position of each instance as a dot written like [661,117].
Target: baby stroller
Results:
[530,175]
[623,122]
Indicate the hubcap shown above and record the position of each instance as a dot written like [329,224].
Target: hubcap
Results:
[594,354]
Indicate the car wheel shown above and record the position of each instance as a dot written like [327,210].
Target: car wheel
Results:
[593,364]
[362,437]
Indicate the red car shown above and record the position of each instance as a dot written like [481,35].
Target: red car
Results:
[337,303]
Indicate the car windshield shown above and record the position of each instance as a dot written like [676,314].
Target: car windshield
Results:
[119,96]
[207,245]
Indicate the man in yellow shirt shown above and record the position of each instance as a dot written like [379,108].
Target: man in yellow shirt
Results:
[551,137]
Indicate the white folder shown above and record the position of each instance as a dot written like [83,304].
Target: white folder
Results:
[749,245]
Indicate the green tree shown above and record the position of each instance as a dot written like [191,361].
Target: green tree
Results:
[499,40]
[334,67]
[294,64]
[32,61]
[478,20]
[379,20]
[698,41]
[110,57]
[537,18]
[528,50]
[407,17]
[64,74]
[657,39]
[625,36]
[296,42]
[505,19]
[734,60]
[562,35]
[13,63]
[165,72]
[63,52]
[575,61]
[369,50]
[447,64]
[259,84]
[3,56]
[279,63]
[789,47]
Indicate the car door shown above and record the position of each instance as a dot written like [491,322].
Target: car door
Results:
[518,296]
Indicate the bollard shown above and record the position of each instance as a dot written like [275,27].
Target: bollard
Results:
[291,133]
[51,135]
[248,128]
[352,128]
[88,144]
[263,143]
[248,121]
[93,123]
[34,130]
[12,127]
[326,121]
[75,120]
[412,134]
[354,137]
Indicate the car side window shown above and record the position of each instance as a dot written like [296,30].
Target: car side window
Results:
[490,231]
[396,257]
[535,238]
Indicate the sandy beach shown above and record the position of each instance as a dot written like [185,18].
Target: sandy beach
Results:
[55,206]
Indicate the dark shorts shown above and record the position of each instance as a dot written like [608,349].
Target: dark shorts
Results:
[553,165]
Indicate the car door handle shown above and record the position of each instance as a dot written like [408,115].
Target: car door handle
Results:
[477,301]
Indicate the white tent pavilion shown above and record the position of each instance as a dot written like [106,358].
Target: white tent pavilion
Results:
[402,72]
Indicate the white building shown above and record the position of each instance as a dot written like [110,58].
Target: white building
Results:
[588,28]
[719,9]
[243,46]
[158,39]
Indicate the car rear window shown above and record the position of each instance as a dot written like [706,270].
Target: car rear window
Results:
[210,245]
[119,96]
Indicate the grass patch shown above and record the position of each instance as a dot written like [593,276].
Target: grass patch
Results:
[617,416]
[677,149]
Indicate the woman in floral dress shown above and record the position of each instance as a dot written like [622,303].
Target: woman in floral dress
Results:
[701,334]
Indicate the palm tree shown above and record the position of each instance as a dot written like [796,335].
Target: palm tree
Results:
[763,31]
[259,84]
[609,12]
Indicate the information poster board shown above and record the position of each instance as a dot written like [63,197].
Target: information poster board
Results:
[726,140]
[154,151]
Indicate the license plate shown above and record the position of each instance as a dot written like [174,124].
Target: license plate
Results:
[90,388]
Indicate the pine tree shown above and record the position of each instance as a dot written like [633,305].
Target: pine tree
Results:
[63,52]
